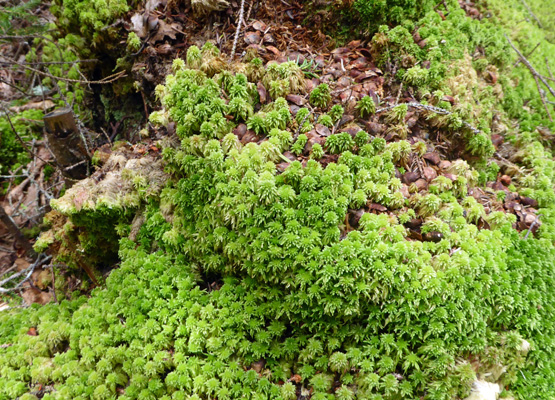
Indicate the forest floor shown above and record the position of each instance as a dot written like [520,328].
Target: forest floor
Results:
[279,31]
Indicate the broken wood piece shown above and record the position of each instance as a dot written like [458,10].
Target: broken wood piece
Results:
[67,143]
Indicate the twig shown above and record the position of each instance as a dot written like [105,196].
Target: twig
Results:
[47,62]
[532,226]
[527,55]
[241,11]
[531,13]
[549,69]
[6,113]
[106,80]
[53,284]
[542,97]
[530,67]
[399,93]
[29,271]
[436,110]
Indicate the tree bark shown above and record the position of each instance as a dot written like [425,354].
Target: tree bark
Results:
[66,143]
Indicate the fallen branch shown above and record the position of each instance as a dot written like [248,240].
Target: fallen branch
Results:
[241,12]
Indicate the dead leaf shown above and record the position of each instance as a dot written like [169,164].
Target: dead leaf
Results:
[296,378]
[252,37]
[259,26]
[165,30]
[377,207]
[274,50]
[139,26]
[296,99]
[33,295]
[322,130]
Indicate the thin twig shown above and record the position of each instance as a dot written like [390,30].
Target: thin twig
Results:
[531,13]
[6,113]
[15,231]
[241,11]
[53,284]
[106,80]
[542,97]
[29,271]
[532,226]
[527,55]
[530,67]
[436,110]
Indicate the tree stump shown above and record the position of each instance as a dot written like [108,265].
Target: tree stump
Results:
[66,143]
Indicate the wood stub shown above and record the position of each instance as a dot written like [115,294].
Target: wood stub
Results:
[66,143]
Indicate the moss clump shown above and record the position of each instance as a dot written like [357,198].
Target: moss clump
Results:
[12,153]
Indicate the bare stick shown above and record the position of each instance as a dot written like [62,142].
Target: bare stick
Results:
[53,284]
[436,110]
[29,271]
[532,226]
[241,11]
[530,67]
[106,80]
[531,13]
[542,97]
[527,55]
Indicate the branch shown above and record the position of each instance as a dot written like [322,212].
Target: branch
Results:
[530,67]
[29,271]
[434,109]
[531,13]
[241,11]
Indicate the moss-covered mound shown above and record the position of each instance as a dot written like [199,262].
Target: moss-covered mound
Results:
[393,244]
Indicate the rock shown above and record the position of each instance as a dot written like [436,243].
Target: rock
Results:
[482,390]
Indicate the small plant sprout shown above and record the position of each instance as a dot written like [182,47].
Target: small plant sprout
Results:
[320,96]
[366,107]
[317,151]
[325,120]
[339,142]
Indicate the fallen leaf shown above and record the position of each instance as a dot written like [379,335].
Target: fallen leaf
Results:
[296,99]
[259,26]
[274,50]
[165,30]
[252,37]
[296,378]
[322,130]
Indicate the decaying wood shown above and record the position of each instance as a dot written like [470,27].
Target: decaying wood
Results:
[67,144]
